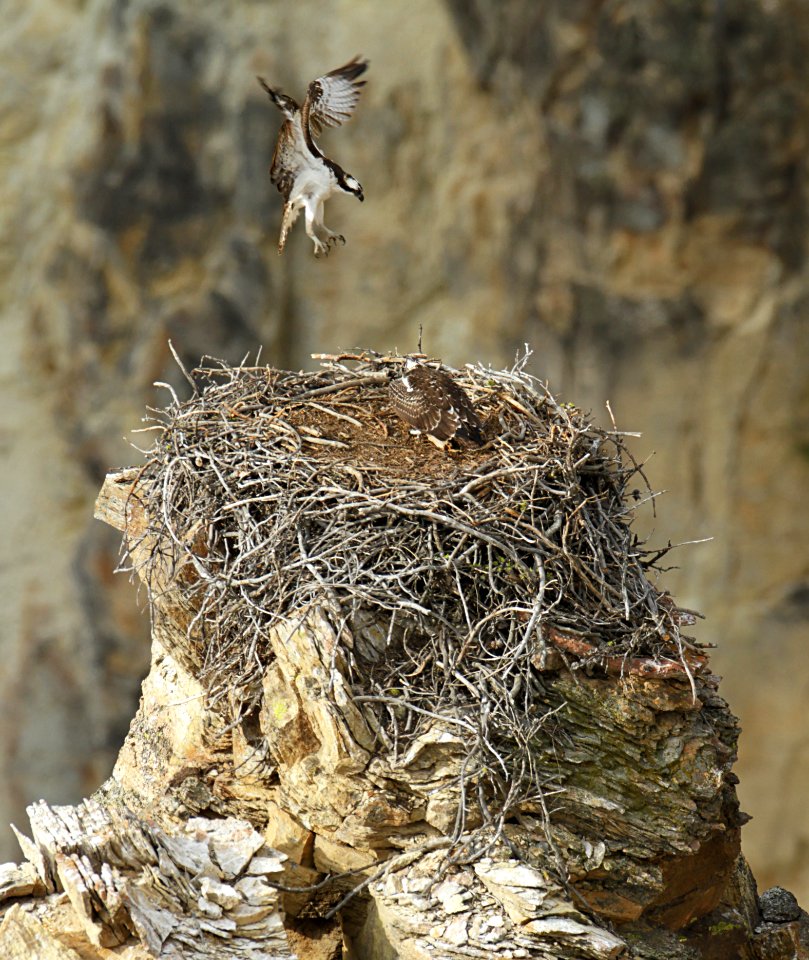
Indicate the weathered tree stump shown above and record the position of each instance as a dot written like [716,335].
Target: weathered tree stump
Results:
[403,702]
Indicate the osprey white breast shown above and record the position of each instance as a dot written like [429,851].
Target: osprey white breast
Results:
[304,176]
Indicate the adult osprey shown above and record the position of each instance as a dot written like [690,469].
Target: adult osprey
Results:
[433,403]
[304,176]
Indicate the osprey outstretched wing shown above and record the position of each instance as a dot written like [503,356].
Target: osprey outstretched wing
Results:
[433,403]
[304,176]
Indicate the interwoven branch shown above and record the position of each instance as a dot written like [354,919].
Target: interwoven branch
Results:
[446,573]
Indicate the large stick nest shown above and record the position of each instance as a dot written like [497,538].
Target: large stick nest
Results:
[272,490]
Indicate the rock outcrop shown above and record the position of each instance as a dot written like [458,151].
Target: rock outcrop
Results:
[403,702]
[622,186]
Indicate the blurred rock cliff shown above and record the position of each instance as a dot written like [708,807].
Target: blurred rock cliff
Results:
[621,185]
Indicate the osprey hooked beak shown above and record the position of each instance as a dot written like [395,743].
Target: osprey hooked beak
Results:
[352,185]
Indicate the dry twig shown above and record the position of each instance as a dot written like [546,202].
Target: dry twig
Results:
[450,574]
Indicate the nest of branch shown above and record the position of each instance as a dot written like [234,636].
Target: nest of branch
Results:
[450,575]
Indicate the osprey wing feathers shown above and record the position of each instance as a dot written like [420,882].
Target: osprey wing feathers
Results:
[434,404]
[415,407]
[331,99]
[287,159]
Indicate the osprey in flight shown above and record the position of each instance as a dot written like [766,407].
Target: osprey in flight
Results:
[432,403]
[304,176]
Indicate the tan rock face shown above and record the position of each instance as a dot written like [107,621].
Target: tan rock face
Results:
[138,205]
[624,191]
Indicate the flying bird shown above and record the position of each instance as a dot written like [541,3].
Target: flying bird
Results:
[433,403]
[304,176]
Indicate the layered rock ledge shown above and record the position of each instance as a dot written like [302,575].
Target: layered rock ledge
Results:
[403,701]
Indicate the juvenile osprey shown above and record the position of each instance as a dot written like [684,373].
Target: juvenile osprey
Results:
[304,176]
[433,403]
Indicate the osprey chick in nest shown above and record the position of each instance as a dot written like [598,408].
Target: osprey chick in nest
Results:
[304,176]
[433,403]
